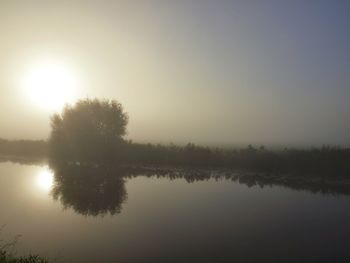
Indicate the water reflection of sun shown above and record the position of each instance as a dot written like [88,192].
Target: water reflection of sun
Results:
[44,179]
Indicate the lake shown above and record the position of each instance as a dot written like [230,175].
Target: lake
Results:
[92,215]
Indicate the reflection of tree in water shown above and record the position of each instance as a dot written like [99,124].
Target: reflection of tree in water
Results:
[90,191]
[333,185]
[94,190]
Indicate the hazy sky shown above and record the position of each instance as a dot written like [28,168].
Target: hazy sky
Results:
[209,72]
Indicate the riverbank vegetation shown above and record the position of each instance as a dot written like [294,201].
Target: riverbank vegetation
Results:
[330,160]
[324,160]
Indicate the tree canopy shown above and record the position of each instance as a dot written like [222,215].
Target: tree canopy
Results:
[90,130]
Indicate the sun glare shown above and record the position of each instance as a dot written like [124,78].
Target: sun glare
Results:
[50,84]
[44,180]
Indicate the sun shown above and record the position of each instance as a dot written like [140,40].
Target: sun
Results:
[50,84]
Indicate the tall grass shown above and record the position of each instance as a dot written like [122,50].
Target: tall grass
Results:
[8,257]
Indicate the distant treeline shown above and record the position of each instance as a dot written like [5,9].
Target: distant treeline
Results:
[324,160]
[33,148]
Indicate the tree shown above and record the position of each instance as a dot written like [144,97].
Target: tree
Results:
[89,131]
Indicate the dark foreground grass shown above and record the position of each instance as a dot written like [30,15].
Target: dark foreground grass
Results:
[6,257]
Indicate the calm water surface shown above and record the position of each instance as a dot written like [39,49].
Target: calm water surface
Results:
[164,218]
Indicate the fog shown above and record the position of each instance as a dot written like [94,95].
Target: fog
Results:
[209,72]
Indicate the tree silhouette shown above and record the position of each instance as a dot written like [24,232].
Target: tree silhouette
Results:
[89,131]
